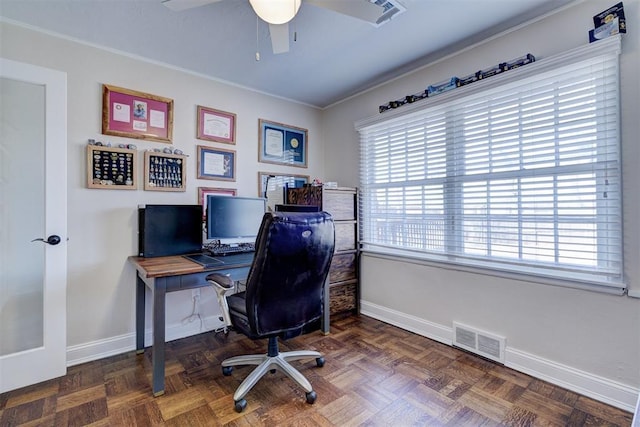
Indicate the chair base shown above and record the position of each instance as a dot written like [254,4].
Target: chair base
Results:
[266,363]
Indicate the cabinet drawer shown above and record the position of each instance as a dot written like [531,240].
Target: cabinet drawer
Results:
[342,297]
[345,235]
[340,204]
[343,267]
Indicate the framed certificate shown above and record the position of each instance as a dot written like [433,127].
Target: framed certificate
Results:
[216,125]
[216,163]
[282,144]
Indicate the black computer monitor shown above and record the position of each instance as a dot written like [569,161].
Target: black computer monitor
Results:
[297,208]
[169,230]
[233,219]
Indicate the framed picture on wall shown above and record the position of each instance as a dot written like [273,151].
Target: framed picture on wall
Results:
[273,186]
[282,144]
[204,192]
[134,114]
[216,163]
[111,168]
[216,125]
[164,172]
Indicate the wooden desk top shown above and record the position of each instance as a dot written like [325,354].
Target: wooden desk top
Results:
[175,265]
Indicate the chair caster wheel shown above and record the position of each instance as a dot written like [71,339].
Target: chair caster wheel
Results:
[311,397]
[226,370]
[273,371]
[240,405]
[320,362]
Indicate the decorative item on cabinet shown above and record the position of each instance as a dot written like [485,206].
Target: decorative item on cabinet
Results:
[341,203]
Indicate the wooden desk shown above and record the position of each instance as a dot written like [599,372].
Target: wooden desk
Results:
[177,273]
[170,274]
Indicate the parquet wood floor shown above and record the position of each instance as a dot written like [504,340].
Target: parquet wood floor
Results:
[375,375]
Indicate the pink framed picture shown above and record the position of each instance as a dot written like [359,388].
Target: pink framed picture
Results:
[216,125]
[203,192]
[132,114]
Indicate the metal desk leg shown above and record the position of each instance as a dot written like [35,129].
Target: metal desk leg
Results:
[159,297]
[140,305]
[326,327]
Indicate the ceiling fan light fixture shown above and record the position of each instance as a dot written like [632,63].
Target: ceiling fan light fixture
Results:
[276,11]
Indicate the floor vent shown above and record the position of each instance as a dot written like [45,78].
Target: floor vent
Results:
[482,343]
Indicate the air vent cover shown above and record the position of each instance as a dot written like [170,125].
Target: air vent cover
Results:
[391,9]
[476,341]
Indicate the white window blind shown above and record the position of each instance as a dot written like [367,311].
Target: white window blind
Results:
[520,173]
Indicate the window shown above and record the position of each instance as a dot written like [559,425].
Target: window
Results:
[520,174]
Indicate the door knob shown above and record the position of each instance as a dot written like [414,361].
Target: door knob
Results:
[51,240]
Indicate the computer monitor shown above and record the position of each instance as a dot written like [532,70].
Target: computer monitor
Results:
[169,230]
[232,219]
[297,208]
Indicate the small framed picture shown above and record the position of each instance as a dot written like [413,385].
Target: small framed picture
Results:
[282,144]
[111,168]
[216,163]
[204,192]
[272,186]
[164,172]
[134,114]
[216,125]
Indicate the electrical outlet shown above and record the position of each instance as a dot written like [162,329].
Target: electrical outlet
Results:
[195,293]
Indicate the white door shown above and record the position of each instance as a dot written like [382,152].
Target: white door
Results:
[33,205]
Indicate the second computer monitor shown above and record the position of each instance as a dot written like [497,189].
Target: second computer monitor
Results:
[234,219]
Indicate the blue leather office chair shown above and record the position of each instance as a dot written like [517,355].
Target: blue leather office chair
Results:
[283,296]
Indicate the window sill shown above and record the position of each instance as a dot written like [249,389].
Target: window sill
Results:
[401,256]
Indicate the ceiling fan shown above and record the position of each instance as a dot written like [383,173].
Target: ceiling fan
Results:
[278,13]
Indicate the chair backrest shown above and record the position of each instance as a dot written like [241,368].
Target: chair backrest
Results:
[285,286]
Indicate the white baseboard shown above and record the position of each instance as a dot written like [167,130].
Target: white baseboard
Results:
[602,389]
[410,323]
[95,350]
[605,390]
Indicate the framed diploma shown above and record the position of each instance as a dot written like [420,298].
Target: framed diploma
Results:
[216,163]
[282,144]
[133,114]
[216,125]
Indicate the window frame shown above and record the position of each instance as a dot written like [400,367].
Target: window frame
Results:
[610,283]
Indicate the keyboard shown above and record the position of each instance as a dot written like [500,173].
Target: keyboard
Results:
[231,250]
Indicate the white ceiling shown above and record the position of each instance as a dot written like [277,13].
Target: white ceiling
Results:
[335,56]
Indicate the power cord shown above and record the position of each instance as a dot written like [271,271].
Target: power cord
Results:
[195,313]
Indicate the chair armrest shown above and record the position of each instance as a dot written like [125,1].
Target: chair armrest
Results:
[222,284]
[220,280]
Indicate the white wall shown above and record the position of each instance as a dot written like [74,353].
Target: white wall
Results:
[103,223]
[586,341]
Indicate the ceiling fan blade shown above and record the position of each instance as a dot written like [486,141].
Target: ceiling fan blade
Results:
[361,9]
[279,37]
[178,5]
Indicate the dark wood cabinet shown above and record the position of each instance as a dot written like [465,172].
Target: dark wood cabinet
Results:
[342,204]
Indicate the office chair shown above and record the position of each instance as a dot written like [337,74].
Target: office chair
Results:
[283,296]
